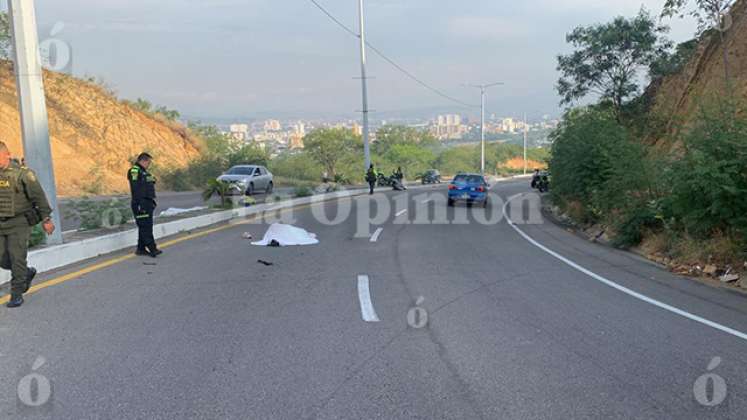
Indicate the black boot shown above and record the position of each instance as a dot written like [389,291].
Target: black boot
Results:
[153,251]
[30,274]
[15,301]
[142,251]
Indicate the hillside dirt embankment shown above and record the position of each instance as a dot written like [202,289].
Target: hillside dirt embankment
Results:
[94,135]
[676,98]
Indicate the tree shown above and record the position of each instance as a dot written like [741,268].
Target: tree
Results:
[330,146]
[412,158]
[711,14]
[609,57]
[392,135]
[219,188]
[249,154]
[5,36]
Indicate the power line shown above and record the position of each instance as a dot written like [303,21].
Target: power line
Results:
[390,61]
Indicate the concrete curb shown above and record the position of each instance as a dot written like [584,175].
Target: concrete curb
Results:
[54,257]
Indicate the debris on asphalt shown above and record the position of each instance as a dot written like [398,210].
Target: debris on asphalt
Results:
[279,234]
[149,263]
[246,235]
[267,263]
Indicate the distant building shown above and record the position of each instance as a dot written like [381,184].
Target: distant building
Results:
[448,127]
[299,129]
[296,141]
[272,125]
[509,126]
[357,129]
[239,132]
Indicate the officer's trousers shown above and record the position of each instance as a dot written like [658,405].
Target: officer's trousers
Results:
[144,223]
[14,244]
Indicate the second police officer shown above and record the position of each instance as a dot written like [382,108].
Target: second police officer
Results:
[143,189]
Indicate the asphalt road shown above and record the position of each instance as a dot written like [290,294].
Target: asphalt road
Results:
[512,331]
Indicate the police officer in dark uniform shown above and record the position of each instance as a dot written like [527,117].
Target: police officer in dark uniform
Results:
[23,205]
[143,189]
[371,178]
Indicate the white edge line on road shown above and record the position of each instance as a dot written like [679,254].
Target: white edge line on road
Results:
[375,236]
[364,296]
[621,288]
[400,213]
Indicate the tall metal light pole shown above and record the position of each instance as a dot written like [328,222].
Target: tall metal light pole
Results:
[364,87]
[483,90]
[32,104]
[526,130]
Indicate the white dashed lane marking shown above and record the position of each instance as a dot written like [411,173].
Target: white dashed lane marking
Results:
[368,313]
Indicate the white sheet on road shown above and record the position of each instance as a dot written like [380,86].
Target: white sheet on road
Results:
[174,211]
[287,235]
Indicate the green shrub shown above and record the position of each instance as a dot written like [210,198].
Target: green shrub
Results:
[606,174]
[631,225]
[296,166]
[585,150]
[303,191]
[709,183]
[99,214]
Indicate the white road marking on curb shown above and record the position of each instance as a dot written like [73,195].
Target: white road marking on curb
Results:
[375,236]
[621,288]
[364,296]
[400,213]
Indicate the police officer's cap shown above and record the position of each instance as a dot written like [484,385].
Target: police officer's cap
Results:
[144,156]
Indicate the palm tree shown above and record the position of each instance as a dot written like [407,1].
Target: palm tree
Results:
[218,187]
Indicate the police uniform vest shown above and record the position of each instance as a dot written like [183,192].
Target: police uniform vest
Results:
[149,190]
[13,200]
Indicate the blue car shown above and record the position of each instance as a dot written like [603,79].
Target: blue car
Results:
[471,188]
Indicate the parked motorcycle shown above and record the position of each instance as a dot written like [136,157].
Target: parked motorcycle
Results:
[383,180]
[543,184]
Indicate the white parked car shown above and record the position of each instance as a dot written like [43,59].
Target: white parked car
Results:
[248,179]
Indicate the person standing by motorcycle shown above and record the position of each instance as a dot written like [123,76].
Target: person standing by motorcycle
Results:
[371,178]
[535,178]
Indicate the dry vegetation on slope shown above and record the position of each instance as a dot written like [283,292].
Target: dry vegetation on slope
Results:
[93,134]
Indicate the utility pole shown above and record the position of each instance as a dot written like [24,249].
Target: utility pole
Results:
[364,87]
[483,90]
[32,104]
[526,130]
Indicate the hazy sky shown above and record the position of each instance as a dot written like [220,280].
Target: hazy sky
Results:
[224,58]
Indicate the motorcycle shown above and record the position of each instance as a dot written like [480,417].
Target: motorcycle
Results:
[383,180]
[390,181]
[543,184]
